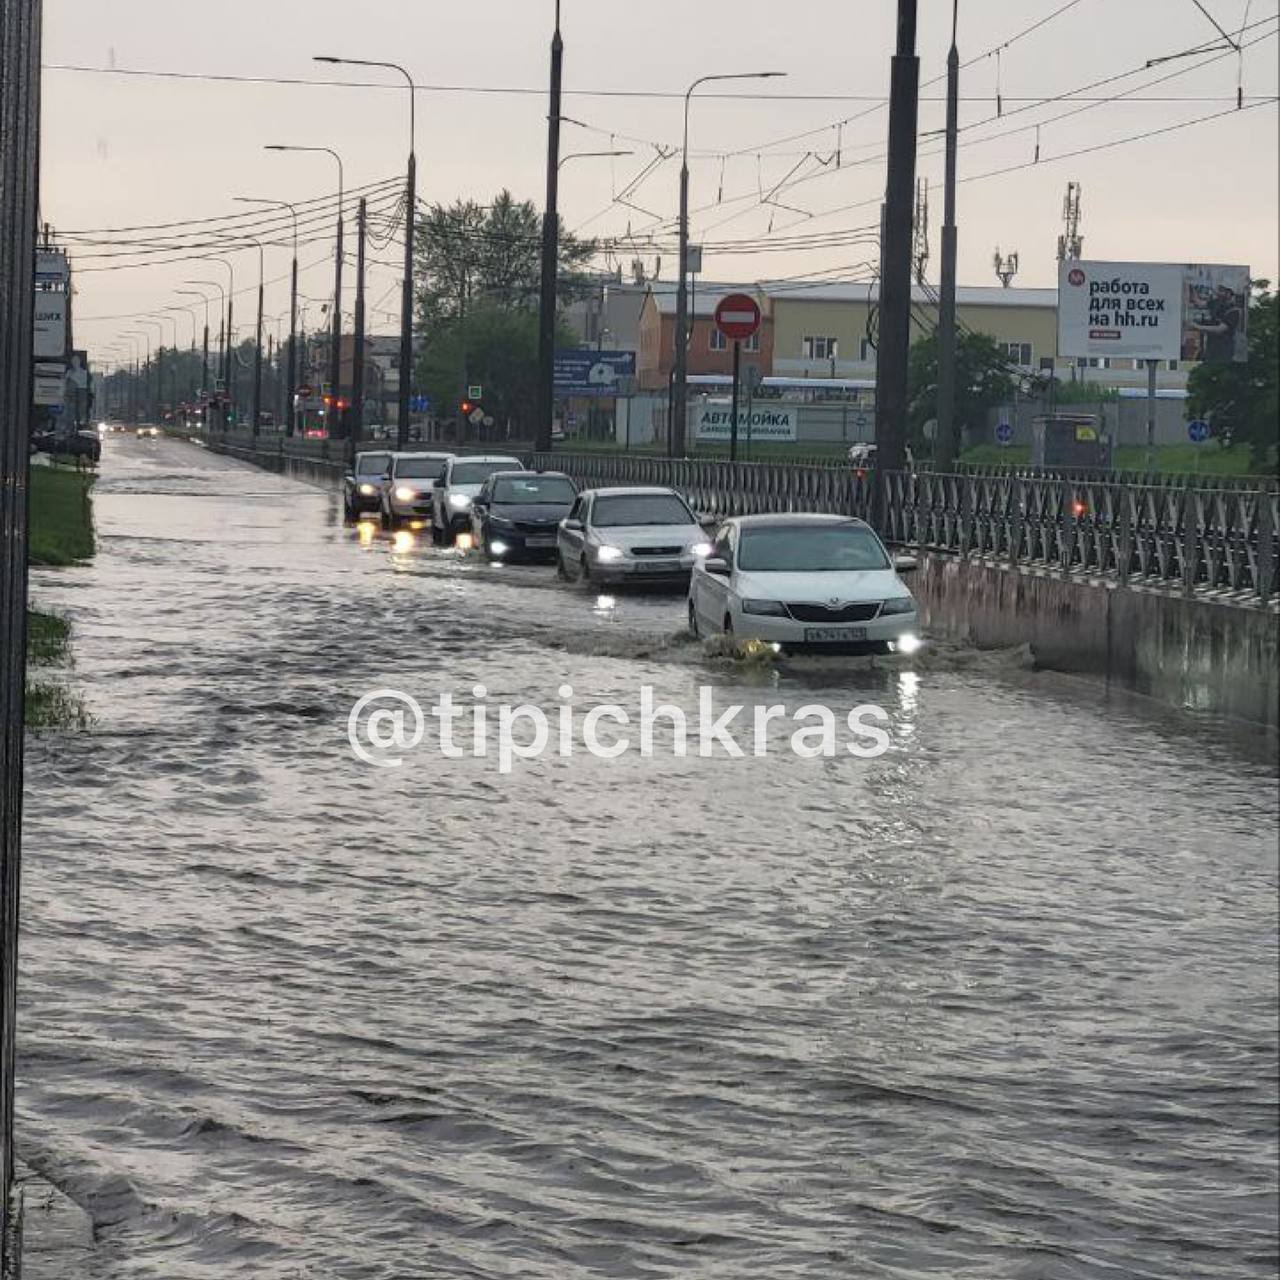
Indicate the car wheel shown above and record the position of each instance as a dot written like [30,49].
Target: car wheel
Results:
[693,622]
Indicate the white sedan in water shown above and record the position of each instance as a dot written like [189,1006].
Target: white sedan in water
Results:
[630,535]
[816,582]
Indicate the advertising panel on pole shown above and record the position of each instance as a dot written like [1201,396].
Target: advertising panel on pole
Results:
[51,326]
[1153,310]
[588,372]
[714,421]
[50,384]
[51,267]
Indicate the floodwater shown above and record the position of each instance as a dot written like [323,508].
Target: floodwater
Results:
[998,1003]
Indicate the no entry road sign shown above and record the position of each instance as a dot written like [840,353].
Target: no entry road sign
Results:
[738,316]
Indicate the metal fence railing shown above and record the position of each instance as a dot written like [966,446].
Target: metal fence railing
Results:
[1194,540]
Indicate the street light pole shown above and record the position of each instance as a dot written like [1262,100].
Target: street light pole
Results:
[204,365]
[291,377]
[550,253]
[680,396]
[405,384]
[895,254]
[947,445]
[335,359]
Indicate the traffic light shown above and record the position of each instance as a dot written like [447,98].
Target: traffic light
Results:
[467,408]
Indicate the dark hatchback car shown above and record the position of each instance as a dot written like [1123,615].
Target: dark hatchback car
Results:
[516,514]
[64,443]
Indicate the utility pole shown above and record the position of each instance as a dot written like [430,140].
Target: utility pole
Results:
[335,355]
[550,254]
[947,446]
[895,252]
[405,383]
[19,165]
[257,357]
[356,412]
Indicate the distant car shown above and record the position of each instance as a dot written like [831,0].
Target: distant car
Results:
[819,582]
[456,489]
[362,485]
[148,433]
[407,494]
[516,513]
[630,535]
[862,455]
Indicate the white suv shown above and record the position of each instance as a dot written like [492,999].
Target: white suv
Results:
[463,478]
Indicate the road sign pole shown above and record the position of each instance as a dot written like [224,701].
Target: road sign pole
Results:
[733,422]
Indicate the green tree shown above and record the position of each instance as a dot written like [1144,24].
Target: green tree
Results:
[984,380]
[1240,401]
[468,253]
[495,347]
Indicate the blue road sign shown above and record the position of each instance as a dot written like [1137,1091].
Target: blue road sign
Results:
[419,404]
[1004,433]
[1198,430]
[588,372]
[56,409]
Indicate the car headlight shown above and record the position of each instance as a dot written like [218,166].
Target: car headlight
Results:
[774,608]
[908,644]
[901,604]
[367,490]
[700,549]
[607,554]
[459,500]
[405,494]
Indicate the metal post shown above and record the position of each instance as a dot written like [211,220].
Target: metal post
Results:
[550,254]
[257,359]
[356,412]
[733,421]
[19,166]
[335,355]
[229,374]
[680,397]
[895,258]
[948,446]
[405,386]
[1151,418]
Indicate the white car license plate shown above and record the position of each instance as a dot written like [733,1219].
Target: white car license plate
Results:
[660,566]
[540,540]
[833,635]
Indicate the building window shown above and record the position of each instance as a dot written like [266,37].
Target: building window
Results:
[821,349]
[1173,366]
[1093,362]
[866,352]
[1018,353]
[718,342]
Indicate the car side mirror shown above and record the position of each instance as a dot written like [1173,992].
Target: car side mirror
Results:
[905,564]
[574,526]
[717,566]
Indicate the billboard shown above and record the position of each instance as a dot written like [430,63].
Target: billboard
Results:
[588,372]
[50,384]
[1153,310]
[714,421]
[51,326]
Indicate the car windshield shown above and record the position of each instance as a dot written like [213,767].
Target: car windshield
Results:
[420,468]
[643,508]
[479,472]
[536,491]
[810,549]
[372,464]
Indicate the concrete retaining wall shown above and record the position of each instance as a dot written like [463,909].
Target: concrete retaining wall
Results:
[1203,655]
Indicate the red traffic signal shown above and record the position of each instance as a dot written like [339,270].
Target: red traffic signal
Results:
[466,407]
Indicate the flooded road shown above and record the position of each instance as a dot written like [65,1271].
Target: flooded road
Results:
[998,1003]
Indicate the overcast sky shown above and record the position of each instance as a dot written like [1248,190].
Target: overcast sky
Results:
[122,150]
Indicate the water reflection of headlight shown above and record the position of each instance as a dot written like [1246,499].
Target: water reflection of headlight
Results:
[366,531]
[402,542]
[464,542]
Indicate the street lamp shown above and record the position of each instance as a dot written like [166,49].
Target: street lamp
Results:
[676,434]
[335,365]
[256,401]
[222,335]
[145,335]
[410,214]
[291,377]
[204,297]
[228,370]
[587,155]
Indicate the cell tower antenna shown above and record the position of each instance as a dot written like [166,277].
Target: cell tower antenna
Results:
[1006,266]
[1071,242]
[920,231]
